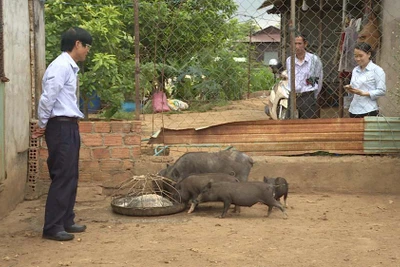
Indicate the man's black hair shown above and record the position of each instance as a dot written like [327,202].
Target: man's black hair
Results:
[69,38]
[303,36]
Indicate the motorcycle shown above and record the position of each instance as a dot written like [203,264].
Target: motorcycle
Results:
[277,106]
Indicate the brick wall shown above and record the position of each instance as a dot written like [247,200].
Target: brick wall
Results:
[108,150]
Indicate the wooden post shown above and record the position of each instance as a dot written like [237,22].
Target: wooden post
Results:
[249,64]
[137,61]
[341,106]
[292,28]
[38,53]
[320,44]
[341,91]
[284,38]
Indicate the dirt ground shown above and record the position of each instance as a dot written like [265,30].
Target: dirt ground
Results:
[244,110]
[322,229]
[327,225]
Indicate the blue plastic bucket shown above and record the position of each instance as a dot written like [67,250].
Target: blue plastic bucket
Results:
[128,106]
[94,103]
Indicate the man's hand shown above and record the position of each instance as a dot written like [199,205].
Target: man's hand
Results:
[38,132]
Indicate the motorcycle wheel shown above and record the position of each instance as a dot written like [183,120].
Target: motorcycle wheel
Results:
[281,111]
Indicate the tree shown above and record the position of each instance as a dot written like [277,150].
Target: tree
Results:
[176,37]
[179,29]
[108,66]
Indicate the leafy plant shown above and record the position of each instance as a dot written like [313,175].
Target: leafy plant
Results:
[261,78]
[189,45]
[105,70]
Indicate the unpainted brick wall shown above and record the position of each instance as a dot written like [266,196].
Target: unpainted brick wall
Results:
[108,149]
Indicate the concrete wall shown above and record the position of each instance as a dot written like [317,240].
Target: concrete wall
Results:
[339,174]
[17,102]
[390,49]
[307,174]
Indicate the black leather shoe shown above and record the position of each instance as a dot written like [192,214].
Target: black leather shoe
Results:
[75,228]
[60,236]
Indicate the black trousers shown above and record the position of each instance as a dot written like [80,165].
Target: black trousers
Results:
[372,114]
[63,142]
[306,105]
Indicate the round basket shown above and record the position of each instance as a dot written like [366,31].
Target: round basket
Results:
[145,211]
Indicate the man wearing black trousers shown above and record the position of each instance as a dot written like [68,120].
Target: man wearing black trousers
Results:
[308,79]
[58,116]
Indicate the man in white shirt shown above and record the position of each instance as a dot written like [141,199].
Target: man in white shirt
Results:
[58,116]
[308,82]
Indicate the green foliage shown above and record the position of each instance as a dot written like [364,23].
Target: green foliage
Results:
[188,82]
[212,77]
[109,62]
[174,34]
[224,77]
[118,115]
[155,75]
[179,29]
[261,78]
[187,48]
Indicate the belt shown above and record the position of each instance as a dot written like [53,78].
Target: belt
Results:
[305,93]
[64,118]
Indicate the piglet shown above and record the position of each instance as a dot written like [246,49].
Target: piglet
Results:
[241,194]
[281,187]
[188,189]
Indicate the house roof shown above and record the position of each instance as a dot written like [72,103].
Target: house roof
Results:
[270,34]
[281,6]
[274,6]
[267,3]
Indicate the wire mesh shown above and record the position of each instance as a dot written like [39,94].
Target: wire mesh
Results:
[202,65]
[226,57]
[146,195]
[141,188]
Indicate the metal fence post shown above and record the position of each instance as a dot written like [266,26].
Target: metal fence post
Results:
[292,29]
[137,61]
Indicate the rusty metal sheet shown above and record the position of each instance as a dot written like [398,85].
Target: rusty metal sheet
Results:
[232,138]
[268,137]
[277,127]
[303,146]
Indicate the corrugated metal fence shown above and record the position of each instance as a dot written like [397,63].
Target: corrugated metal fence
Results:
[381,135]
[371,135]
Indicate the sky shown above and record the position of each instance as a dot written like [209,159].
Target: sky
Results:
[248,11]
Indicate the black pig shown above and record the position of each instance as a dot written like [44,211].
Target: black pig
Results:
[234,163]
[188,189]
[281,187]
[241,194]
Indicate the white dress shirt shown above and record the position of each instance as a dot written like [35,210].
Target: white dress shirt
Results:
[311,66]
[373,80]
[59,87]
